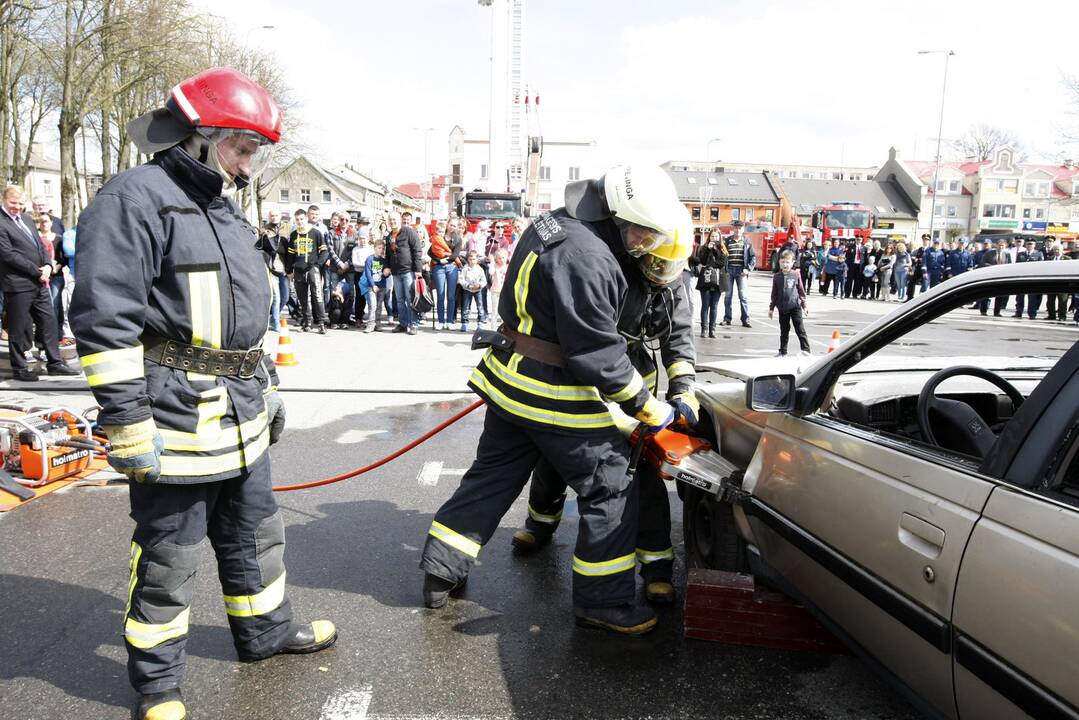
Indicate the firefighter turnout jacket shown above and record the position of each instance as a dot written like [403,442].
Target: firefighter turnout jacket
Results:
[171,259]
[658,316]
[564,285]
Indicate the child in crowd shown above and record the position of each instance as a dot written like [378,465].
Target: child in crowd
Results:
[789,295]
[376,285]
[498,279]
[472,280]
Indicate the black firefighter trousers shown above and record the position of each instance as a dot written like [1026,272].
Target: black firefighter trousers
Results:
[593,465]
[240,518]
[655,554]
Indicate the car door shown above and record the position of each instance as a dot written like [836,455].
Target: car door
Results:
[1016,612]
[869,533]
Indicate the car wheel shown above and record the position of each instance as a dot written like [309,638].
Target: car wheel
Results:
[711,538]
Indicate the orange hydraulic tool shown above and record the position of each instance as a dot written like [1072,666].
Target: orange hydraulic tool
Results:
[45,444]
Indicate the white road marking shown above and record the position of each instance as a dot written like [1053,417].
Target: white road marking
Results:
[348,437]
[349,705]
[429,473]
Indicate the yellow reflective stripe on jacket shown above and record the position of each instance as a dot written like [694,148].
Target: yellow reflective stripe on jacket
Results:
[136,553]
[651,556]
[455,539]
[680,368]
[540,415]
[520,293]
[148,635]
[111,366]
[607,567]
[537,387]
[188,466]
[258,604]
[650,382]
[205,313]
[636,384]
[224,438]
[540,517]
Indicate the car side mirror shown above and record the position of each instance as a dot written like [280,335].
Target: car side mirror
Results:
[771,393]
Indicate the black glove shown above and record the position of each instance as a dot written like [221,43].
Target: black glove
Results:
[275,408]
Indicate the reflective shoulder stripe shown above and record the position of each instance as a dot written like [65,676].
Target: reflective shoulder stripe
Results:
[111,366]
[531,385]
[258,604]
[636,384]
[651,556]
[148,635]
[680,368]
[540,415]
[540,517]
[455,539]
[520,293]
[607,567]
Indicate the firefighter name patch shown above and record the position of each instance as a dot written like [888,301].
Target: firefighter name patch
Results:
[547,228]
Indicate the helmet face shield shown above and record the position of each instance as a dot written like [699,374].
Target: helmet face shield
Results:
[660,271]
[240,153]
[639,240]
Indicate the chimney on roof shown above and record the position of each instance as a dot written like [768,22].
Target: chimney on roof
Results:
[892,153]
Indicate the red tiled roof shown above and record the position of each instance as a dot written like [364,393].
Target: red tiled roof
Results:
[415,190]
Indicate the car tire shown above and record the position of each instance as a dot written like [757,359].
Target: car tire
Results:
[711,538]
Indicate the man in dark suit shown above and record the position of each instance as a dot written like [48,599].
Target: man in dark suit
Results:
[25,268]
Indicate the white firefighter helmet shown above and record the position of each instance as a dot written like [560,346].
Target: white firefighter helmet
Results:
[644,195]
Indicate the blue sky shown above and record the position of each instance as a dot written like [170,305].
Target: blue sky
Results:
[825,82]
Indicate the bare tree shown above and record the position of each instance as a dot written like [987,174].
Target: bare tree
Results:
[16,20]
[980,141]
[1069,134]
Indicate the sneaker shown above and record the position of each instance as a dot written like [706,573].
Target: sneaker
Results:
[436,591]
[439,326]
[369,328]
[464,328]
[305,327]
[321,329]
[400,329]
[412,330]
[622,619]
[726,322]
[781,353]
[746,324]
[167,705]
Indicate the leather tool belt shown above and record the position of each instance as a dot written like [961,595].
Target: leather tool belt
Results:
[508,340]
[195,358]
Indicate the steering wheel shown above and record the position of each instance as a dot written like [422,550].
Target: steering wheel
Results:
[962,428]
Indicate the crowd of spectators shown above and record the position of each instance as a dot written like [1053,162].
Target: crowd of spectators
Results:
[889,271]
[343,273]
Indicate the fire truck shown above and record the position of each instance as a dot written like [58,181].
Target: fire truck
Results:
[490,206]
[844,220]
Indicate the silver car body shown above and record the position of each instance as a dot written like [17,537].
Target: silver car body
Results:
[960,585]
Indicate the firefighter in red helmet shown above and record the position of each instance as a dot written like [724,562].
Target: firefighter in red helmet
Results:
[170,315]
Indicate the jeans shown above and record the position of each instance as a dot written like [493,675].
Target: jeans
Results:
[404,284]
[445,281]
[786,318]
[56,292]
[736,278]
[375,306]
[284,297]
[709,307]
[471,297]
[901,282]
[275,306]
[839,278]
[309,291]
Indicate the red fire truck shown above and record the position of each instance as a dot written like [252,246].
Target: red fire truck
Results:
[845,220]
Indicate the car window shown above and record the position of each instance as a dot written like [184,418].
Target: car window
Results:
[881,392]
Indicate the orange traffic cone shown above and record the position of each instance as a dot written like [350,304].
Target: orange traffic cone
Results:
[284,347]
[834,345]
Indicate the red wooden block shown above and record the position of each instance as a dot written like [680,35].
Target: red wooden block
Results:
[728,607]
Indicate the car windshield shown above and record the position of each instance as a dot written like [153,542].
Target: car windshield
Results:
[848,219]
[493,207]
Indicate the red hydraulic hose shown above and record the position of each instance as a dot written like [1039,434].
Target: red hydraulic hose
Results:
[379,463]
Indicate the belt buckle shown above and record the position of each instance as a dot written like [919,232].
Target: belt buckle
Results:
[250,364]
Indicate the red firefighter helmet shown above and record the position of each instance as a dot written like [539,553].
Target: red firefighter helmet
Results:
[219,103]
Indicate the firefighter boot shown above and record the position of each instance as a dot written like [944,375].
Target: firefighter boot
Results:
[168,705]
[622,619]
[527,541]
[436,591]
[659,592]
[310,637]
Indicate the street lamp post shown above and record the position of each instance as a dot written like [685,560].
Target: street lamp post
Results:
[708,149]
[940,129]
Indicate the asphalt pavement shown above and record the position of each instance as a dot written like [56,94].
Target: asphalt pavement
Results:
[507,649]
